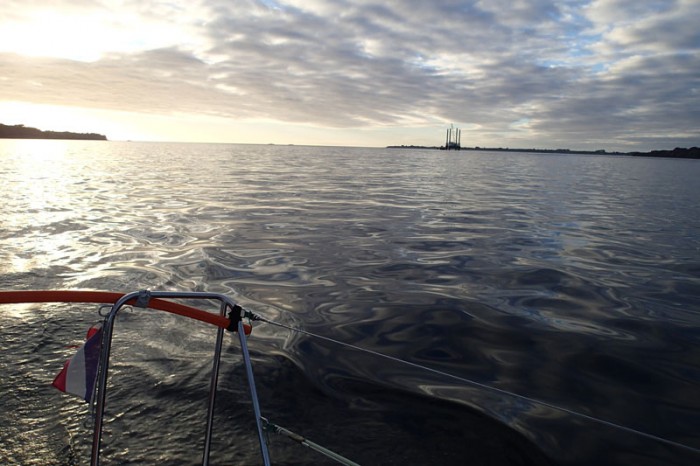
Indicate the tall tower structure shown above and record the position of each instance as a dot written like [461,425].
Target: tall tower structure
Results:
[453,138]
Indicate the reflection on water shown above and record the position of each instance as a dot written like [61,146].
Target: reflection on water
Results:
[574,280]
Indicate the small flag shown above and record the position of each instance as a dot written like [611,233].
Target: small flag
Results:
[80,372]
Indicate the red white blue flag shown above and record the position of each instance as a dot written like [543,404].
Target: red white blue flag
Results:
[79,373]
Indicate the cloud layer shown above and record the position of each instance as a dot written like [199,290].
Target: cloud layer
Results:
[522,73]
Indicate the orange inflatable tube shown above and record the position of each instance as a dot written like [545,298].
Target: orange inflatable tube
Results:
[104,297]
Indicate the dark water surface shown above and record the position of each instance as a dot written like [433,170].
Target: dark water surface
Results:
[570,281]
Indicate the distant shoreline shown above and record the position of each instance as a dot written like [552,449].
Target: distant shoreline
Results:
[678,152]
[27,132]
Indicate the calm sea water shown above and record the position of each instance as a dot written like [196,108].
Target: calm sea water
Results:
[548,305]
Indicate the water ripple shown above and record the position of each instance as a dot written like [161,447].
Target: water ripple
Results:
[574,280]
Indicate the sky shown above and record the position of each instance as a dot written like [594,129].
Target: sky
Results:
[618,75]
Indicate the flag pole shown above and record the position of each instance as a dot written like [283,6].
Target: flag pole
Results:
[102,373]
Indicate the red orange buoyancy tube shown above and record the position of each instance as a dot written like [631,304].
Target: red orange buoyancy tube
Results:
[101,297]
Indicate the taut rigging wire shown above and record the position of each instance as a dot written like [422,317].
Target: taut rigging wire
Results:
[483,386]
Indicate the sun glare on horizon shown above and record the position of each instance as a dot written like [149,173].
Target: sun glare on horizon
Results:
[83,35]
[54,35]
[114,125]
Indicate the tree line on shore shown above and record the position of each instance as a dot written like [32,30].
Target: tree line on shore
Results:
[678,152]
[27,132]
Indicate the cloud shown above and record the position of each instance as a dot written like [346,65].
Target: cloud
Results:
[578,73]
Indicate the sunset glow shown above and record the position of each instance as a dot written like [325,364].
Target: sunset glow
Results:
[596,74]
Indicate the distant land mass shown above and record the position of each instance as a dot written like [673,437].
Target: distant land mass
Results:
[678,152]
[26,132]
